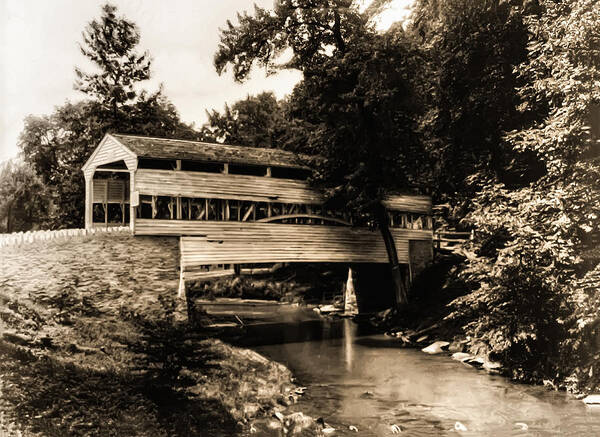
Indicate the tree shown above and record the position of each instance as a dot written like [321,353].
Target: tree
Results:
[310,29]
[256,121]
[468,81]
[356,97]
[110,44]
[24,202]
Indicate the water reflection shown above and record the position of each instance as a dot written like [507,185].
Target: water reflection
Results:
[348,343]
[355,378]
[370,383]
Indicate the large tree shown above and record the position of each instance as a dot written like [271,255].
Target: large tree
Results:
[111,43]
[356,98]
[256,121]
[313,31]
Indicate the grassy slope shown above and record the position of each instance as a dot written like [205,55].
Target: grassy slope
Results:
[89,346]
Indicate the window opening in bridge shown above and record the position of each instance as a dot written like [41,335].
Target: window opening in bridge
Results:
[233,210]
[289,173]
[248,170]
[204,167]
[110,198]
[156,164]
[405,220]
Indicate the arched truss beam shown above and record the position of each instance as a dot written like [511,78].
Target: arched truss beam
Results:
[304,216]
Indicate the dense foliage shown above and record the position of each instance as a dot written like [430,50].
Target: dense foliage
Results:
[535,255]
[469,86]
[256,121]
[23,198]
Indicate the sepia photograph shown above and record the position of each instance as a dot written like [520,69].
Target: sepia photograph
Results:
[299,218]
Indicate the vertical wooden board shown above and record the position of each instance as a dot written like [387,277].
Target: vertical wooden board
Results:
[89,190]
[420,256]
[110,150]
[132,209]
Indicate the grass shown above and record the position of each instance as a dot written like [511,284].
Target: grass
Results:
[91,344]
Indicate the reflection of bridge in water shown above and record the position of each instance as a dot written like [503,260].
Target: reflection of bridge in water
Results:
[240,207]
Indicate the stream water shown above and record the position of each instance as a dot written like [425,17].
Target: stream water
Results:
[357,378]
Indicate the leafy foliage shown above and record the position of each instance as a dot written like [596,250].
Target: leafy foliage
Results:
[110,43]
[23,198]
[256,121]
[535,252]
[469,83]
[309,29]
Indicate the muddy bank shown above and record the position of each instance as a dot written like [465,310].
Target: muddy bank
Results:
[91,344]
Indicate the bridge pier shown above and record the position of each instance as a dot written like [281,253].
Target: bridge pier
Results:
[350,304]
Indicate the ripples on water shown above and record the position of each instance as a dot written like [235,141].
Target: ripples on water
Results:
[367,381]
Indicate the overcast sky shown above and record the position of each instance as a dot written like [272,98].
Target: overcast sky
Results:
[39,49]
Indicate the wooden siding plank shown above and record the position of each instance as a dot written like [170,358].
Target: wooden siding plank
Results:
[233,243]
[224,186]
[109,151]
[109,191]
[408,203]
[250,188]
[215,229]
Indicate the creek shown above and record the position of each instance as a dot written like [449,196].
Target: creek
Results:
[355,377]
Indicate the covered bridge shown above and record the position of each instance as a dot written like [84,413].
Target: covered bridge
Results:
[239,205]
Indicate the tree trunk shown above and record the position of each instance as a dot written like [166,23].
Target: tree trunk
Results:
[400,293]
[9,218]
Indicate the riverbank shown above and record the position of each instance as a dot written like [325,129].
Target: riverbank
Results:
[91,344]
[550,347]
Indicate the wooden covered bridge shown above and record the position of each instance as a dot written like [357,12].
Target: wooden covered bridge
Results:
[233,206]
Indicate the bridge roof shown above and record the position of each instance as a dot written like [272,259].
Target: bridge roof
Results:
[164,148]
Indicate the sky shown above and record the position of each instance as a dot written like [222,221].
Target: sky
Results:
[39,50]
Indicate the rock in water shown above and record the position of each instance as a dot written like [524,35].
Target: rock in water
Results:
[436,348]
[475,362]
[461,356]
[492,366]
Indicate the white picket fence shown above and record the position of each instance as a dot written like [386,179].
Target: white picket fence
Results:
[19,238]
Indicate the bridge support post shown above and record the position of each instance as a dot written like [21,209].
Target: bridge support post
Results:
[350,304]
[182,306]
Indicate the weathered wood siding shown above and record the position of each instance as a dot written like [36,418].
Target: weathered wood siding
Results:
[234,242]
[421,256]
[109,151]
[223,186]
[408,203]
[115,189]
[250,188]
